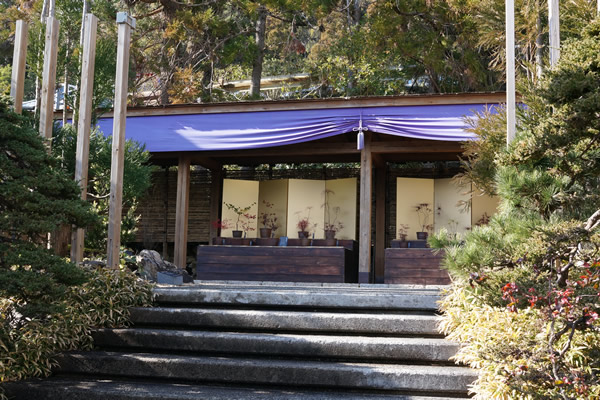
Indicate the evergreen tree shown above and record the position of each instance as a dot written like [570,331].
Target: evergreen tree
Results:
[526,286]
[36,197]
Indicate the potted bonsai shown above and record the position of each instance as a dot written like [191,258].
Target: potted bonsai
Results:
[268,220]
[424,211]
[242,214]
[402,235]
[246,227]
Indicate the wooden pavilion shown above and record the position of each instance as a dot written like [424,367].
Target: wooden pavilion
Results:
[376,147]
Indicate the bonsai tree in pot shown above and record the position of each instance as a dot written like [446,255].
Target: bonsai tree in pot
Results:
[268,220]
[424,211]
[332,224]
[242,216]
[403,234]
[219,225]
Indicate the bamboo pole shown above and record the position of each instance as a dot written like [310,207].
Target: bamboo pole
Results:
[49,78]
[510,72]
[181,212]
[17,81]
[554,27]
[125,23]
[84,124]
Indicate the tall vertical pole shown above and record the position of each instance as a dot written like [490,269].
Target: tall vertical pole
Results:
[125,23]
[181,212]
[510,72]
[364,245]
[17,81]
[554,27]
[84,124]
[49,77]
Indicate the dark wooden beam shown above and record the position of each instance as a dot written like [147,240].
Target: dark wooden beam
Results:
[181,212]
[380,208]
[216,198]
[314,104]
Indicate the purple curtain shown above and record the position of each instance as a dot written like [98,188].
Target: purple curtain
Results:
[250,130]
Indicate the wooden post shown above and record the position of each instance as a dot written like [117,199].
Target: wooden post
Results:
[380,211]
[511,124]
[181,212]
[17,81]
[49,79]
[364,246]
[216,191]
[125,23]
[554,31]
[84,124]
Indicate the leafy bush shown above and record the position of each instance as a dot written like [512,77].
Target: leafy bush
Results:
[27,345]
[525,297]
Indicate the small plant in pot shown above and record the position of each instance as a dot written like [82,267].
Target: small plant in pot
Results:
[242,213]
[268,220]
[403,234]
[246,222]
[424,211]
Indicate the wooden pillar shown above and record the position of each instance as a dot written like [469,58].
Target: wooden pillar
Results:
[125,23]
[554,31]
[17,81]
[380,211]
[216,198]
[84,124]
[49,78]
[364,246]
[510,72]
[181,212]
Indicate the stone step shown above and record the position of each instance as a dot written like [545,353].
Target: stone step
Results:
[349,297]
[430,380]
[103,389]
[291,321]
[420,350]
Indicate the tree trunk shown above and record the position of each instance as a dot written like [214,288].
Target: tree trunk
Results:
[259,39]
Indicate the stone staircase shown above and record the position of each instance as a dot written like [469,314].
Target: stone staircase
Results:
[225,340]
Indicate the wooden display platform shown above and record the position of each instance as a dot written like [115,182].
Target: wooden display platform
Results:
[414,267]
[334,264]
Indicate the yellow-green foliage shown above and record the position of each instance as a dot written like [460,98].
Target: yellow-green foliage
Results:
[26,350]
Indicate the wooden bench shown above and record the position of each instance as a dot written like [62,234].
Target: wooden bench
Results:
[414,267]
[335,264]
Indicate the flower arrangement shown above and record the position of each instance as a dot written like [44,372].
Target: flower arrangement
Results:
[331,214]
[403,232]
[268,218]
[222,224]
[424,212]
[304,224]
[243,217]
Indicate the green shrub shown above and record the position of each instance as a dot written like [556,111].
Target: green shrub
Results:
[525,297]
[27,346]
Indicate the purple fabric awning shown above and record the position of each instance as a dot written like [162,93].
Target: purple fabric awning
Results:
[250,130]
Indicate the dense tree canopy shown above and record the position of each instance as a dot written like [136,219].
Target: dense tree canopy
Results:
[186,51]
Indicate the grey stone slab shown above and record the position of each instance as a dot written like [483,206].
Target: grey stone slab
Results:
[307,346]
[300,321]
[69,389]
[346,375]
[304,297]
